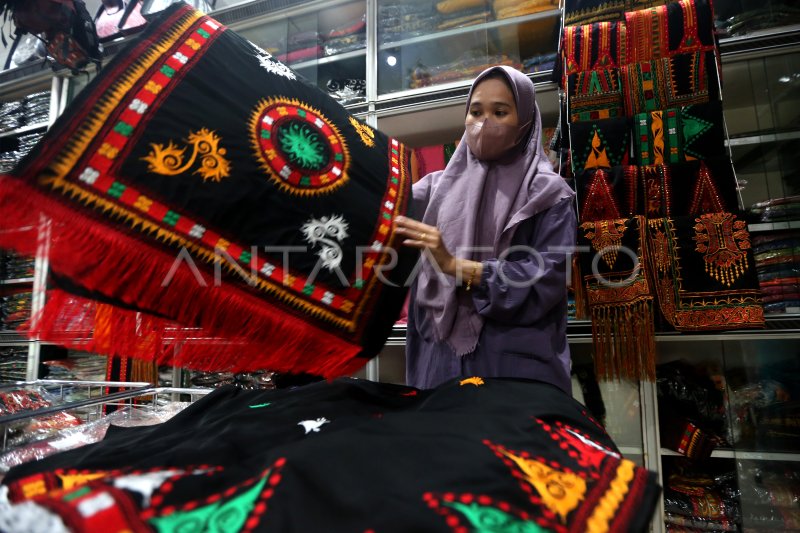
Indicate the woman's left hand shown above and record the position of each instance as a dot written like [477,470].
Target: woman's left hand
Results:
[423,236]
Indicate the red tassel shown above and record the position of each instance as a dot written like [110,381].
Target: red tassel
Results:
[234,330]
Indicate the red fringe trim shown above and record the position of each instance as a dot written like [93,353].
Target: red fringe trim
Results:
[229,329]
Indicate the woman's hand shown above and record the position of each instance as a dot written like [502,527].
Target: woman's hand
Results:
[423,236]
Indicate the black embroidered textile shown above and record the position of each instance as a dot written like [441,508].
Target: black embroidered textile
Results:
[352,455]
[203,183]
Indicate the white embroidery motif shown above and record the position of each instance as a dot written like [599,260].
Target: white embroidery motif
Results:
[271,64]
[322,232]
[313,425]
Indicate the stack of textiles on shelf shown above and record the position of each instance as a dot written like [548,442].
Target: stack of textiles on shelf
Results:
[399,19]
[697,498]
[776,210]
[770,496]
[539,63]
[468,65]
[691,414]
[78,366]
[300,46]
[15,266]
[654,181]
[29,398]
[36,107]
[13,363]
[242,380]
[345,38]
[504,9]
[12,115]
[587,11]
[460,13]
[777,256]
[22,145]
[15,310]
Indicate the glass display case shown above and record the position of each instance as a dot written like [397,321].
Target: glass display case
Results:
[327,47]
[424,43]
[741,17]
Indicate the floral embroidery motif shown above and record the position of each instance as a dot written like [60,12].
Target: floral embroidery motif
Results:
[323,232]
[272,65]
[723,241]
[366,133]
[474,380]
[606,238]
[299,148]
[169,160]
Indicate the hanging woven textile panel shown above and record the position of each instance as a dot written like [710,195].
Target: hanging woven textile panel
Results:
[199,193]
[347,455]
[600,143]
[663,31]
[673,81]
[594,46]
[607,194]
[586,11]
[690,188]
[613,259]
[595,95]
[679,134]
[704,272]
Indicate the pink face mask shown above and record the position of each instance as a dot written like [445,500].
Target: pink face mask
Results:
[490,140]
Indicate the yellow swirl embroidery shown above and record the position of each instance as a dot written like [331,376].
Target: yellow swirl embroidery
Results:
[474,380]
[169,160]
[366,133]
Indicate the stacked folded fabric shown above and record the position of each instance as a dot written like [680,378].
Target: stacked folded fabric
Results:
[347,90]
[37,107]
[698,501]
[13,363]
[466,66]
[79,366]
[349,36]
[15,266]
[777,256]
[12,115]
[771,493]
[778,209]
[459,13]
[15,310]
[514,8]
[539,63]
[19,149]
[399,19]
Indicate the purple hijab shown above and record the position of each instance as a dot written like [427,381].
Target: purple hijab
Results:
[479,204]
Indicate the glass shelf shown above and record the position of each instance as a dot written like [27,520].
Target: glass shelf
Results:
[17,281]
[24,129]
[470,29]
[737,454]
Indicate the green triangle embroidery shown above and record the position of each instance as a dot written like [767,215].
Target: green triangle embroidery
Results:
[692,128]
[594,84]
[219,517]
[484,519]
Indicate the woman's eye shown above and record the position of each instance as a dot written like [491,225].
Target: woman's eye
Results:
[501,113]
[475,113]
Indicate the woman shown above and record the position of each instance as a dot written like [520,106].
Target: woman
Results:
[496,228]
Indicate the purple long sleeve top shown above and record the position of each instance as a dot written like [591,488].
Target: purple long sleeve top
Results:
[525,324]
